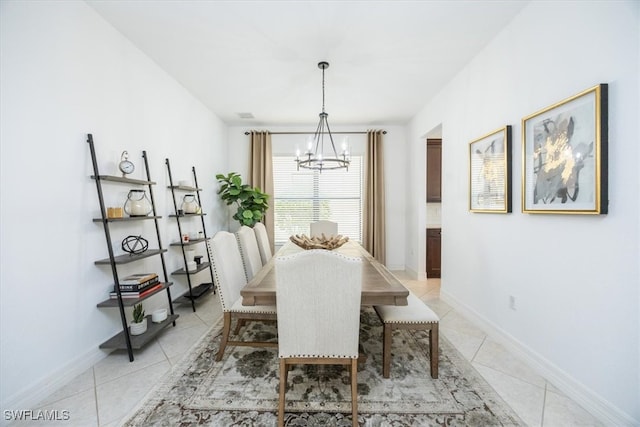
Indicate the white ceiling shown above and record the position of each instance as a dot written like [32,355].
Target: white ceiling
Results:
[387,58]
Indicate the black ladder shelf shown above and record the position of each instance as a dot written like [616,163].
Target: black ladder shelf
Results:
[124,340]
[194,292]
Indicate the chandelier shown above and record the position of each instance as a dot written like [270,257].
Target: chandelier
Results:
[315,157]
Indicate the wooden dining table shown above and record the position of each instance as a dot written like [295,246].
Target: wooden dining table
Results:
[379,286]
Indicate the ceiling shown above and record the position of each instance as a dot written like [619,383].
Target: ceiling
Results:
[387,58]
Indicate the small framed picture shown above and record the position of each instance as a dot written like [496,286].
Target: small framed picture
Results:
[564,156]
[490,172]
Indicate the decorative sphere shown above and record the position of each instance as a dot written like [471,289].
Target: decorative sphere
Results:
[135,244]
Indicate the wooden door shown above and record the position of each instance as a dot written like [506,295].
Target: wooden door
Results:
[434,170]
[433,252]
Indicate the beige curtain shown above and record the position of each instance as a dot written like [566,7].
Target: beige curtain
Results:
[374,222]
[261,173]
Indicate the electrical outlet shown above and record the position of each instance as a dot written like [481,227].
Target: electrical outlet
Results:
[512,302]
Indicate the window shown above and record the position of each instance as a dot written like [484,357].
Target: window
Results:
[304,196]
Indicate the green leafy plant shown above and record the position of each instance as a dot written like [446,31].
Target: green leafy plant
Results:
[138,313]
[250,201]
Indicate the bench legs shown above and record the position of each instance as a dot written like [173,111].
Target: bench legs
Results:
[388,339]
[434,350]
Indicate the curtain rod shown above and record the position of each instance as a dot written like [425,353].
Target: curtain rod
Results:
[384,132]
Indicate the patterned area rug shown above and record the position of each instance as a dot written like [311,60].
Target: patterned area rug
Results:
[242,389]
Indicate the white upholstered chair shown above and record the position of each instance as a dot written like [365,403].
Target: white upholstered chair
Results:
[264,246]
[415,315]
[249,251]
[328,228]
[230,279]
[318,296]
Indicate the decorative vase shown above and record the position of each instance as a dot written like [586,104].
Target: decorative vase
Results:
[138,328]
[189,204]
[137,204]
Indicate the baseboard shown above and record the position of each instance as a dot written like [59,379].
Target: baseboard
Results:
[395,267]
[28,398]
[414,274]
[585,397]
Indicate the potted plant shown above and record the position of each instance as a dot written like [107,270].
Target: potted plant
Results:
[251,202]
[139,324]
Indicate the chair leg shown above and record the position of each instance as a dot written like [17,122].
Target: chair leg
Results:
[434,350]
[225,336]
[354,392]
[283,388]
[386,350]
[239,324]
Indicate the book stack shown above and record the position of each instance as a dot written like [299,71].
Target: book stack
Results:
[137,285]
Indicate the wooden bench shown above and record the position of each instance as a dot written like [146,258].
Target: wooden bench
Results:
[415,315]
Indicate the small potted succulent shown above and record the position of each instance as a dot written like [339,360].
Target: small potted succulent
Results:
[139,324]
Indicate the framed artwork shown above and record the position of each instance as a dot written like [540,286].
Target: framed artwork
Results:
[564,156]
[490,172]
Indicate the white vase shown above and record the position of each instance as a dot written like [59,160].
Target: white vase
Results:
[138,328]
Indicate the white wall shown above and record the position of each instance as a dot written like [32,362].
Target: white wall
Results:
[575,277]
[66,73]
[394,143]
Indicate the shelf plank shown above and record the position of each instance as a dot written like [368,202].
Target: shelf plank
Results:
[199,268]
[186,215]
[196,292]
[124,180]
[127,218]
[138,341]
[183,188]
[126,258]
[128,302]
[190,242]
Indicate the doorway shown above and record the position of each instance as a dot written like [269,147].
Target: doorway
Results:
[433,210]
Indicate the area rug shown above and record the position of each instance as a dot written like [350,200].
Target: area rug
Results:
[242,389]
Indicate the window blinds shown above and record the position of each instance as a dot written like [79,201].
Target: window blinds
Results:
[304,196]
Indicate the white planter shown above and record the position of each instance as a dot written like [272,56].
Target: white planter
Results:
[159,316]
[138,328]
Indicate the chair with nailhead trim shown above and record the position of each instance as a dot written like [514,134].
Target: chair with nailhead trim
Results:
[249,251]
[328,228]
[263,242]
[230,278]
[318,296]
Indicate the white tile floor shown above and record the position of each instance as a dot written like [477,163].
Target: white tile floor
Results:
[110,390]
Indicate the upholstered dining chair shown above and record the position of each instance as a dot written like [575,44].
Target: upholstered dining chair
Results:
[230,279]
[318,303]
[328,228]
[249,251]
[264,246]
[415,315]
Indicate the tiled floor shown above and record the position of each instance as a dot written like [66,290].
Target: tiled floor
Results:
[110,390]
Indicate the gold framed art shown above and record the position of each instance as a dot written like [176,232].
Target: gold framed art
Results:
[564,156]
[490,172]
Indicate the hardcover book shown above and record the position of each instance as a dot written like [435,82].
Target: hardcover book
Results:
[137,287]
[137,278]
[138,294]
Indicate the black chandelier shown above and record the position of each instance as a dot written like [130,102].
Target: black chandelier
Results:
[315,158]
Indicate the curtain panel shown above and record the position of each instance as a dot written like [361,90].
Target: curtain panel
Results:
[373,233]
[261,174]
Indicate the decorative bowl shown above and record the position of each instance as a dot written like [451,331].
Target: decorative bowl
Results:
[319,242]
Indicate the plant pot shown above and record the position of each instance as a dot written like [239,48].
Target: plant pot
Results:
[159,316]
[138,328]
